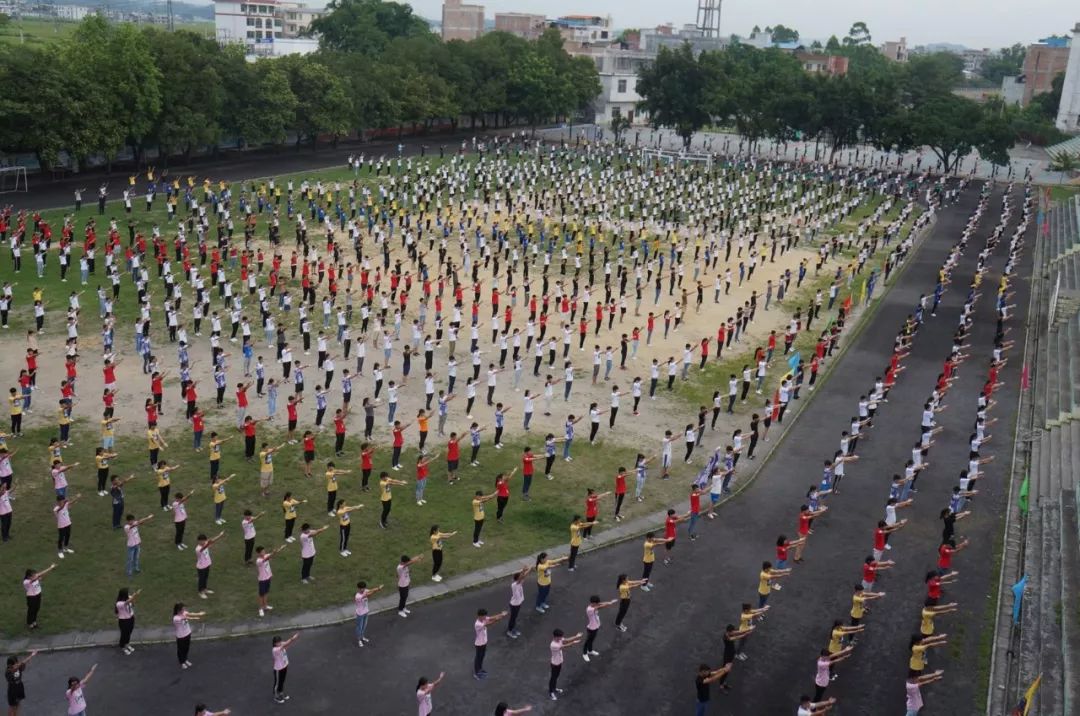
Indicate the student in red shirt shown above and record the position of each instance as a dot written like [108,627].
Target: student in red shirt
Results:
[620,492]
[309,451]
[241,403]
[366,465]
[806,516]
[249,438]
[290,410]
[592,509]
[339,433]
[670,524]
[191,398]
[502,493]
[527,470]
[453,456]
[398,442]
[197,426]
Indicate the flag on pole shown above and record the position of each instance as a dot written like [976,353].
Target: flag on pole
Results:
[1024,707]
[1018,598]
[862,293]
[1025,378]
[793,361]
[1025,490]
[847,304]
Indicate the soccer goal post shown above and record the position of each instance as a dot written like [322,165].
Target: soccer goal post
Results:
[670,156]
[12,179]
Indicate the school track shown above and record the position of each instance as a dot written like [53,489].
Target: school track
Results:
[650,669]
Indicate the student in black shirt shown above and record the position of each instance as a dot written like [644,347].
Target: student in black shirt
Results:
[16,692]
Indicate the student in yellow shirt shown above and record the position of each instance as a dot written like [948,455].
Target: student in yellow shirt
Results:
[288,506]
[926,625]
[108,432]
[266,467]
[154,443]
[63,419]
[101,459]
[858,603]
[164,482]
[543,579]
[576,528]
[839,634]
[218,488]
[436,537]
[479,498]
[625,585]
[765,585]
[344,525]
[331,487]
[15,400]
[648,558]
[385,497]
[919,645]
[215,453]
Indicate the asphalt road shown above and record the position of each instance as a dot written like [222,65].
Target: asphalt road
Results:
[650,669]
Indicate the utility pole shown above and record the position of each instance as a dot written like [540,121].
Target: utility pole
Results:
[708,17]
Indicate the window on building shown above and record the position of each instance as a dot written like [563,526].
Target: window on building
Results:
[622,86]
[278,35]
[243,7]
[251,22]
[251,34]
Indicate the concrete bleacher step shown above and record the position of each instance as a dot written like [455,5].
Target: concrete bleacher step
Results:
[1052,664]
[1030,633]
[1050,490]
[1070,600]
[1073,347]
[1072,476]
[1053,378]
[1065,388]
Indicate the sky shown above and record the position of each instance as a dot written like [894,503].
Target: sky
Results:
[974,23]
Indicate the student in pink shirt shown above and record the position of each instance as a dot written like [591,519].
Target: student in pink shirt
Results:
[134,543]
[74,694]
[423,693]
[403,582]
[558,643]
[203,561]
[264,574]
[281,665]
[592,625]
[483,621]
[362,610]
[62,511]
[125,618]
[181,624]
[32,587]
[307,550]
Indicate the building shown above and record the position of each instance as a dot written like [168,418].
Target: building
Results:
[461,21]
[73,12]
[522,24]
[668,36]
[267,28]
[974,59]
[1044,61]
[583,31]
[821,64]
[895,50]
[1012,90]
[1068,119]
[618,70]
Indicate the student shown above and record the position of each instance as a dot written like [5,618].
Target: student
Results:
[16,691]
[344,526]
[385,496]
[808,707]
[503,709]
[558,642]
[648,559]
[625,585]
[247,526]
[706,676]
[179,510]
[543,579]
[74,694]
[360,600]
[62,511]
[765,584]
[403,581]
[307,550]
[576,529]
[125,618]
[436,538]
[592,626]
[913,701]
[483,621]
[32,588]
[919,645]
[264,574]
[424,689]
[134,543]
[202,710]
[182,626]
[203,560]
[823,676]
[280,654]
[479,498]
[517,598]
[288,506]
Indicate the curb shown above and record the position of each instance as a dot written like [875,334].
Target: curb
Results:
[334,616]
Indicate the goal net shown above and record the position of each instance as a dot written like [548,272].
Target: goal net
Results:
[671,156]
[12,179]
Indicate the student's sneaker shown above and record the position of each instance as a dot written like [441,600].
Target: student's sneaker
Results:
[128,650]
[179,548]
[69,550]
[290,540]
[367,639]
[403,614]
[777,587]
[360,642]
[186,665]
[585,657]
[436,578]
[477,544]
[553,696]
[348,553]
[262,613]
[646,587]
[279,699]
[512,634]
[331,513]
[741,657]
[594,652]
[480,675]
[621,627]
[420,503]
[343,553]
[60,554]
[219,522]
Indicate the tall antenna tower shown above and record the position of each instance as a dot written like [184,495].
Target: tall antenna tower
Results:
[708,17]
[170,26]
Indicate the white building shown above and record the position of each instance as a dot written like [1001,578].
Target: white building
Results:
[1068,119]
[618,69]
[75,13]
[267,27]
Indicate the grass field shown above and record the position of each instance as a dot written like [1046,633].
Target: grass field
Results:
[79,594]
[1062,192]
[39,32]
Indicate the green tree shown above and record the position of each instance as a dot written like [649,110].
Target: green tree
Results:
[780,33]
[859,34]
[1008,62]
[323,104]
[833,45]
[193,95]
[948,125]
[270,92]
[36,83]
[114,64]
[674,88]
[367,26]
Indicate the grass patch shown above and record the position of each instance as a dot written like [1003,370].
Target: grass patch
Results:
[1062,192]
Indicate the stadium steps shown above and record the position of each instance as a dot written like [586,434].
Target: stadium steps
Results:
[1053,377]
[1070,587]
